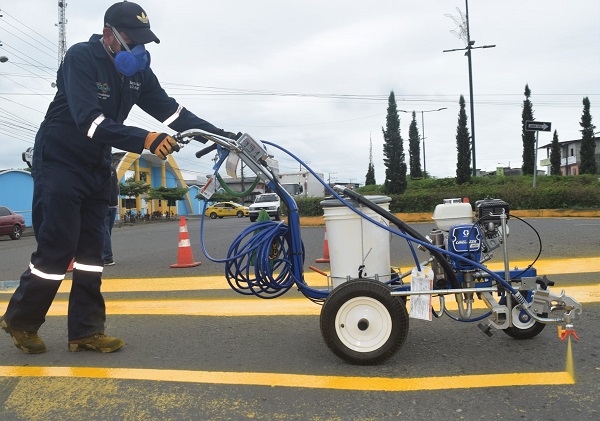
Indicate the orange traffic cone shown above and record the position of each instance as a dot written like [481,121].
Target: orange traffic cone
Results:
[70,268]
[325,258]
[184,252]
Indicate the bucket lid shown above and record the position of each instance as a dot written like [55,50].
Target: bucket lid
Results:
[332,202]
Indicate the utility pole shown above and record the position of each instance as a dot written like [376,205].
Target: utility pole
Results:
[329,178]
[464,33]
[62,30]
[423,135]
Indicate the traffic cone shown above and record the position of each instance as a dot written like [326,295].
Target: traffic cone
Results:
[325,258]
[184,251]
[70,268]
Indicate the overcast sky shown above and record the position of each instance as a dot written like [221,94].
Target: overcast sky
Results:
[315,76]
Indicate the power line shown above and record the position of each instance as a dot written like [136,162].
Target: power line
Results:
[32,30]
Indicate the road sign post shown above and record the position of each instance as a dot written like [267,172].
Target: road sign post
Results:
[537,126]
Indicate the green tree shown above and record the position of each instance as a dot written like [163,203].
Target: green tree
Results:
[170,194]
[393,151]
[131,188]
[463,146]
[414,149]
[370,178]
[587,154]
[555,156]
[528,136]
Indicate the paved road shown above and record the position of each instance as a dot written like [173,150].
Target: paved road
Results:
[197,350]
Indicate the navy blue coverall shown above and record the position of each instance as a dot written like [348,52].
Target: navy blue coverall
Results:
[71,172]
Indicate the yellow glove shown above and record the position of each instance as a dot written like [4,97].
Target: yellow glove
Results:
[161,144]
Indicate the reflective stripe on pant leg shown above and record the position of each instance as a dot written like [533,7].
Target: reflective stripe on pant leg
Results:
[87,311]
[31,300]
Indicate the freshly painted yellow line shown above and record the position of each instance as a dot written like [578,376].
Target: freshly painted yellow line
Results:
[252,306]
[299,380]
[555,266]
[315,280]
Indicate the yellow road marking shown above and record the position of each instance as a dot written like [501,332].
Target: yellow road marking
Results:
[555,266]
[315,280]
[299,380]
[251,306]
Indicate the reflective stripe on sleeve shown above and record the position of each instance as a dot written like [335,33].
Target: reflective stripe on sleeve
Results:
[87,268]
[174,116]
[95,125]
[44,275]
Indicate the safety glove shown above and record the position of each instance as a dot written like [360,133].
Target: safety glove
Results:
[161,144]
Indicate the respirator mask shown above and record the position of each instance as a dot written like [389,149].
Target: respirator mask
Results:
[129,61]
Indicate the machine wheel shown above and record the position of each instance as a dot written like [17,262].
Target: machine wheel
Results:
[240,214]
[524,327]
[16,233]
[253,219]
[362,323]
[213,215]
[277,216]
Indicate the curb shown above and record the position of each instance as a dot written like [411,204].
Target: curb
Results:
[315,221]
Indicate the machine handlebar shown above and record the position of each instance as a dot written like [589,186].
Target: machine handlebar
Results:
[206,150]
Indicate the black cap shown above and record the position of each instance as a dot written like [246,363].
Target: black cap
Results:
[130,18]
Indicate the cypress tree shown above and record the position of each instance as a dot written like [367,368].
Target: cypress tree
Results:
[414,149]
[528,136]
[393,151]
[555,156]
[587,154]
[370,178]
[463,146]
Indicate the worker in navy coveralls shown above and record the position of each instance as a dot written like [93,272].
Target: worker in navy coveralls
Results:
[98,83]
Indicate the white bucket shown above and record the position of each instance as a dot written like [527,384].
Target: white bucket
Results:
[357,247]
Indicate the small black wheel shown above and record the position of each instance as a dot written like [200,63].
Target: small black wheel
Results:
[240,214]
[17,232]
[277,217]
[362,323]
[253,219]
[213,215]
[524,326]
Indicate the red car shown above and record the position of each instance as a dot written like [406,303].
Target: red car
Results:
[11,223]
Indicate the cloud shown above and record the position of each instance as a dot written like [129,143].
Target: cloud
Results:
[221,51]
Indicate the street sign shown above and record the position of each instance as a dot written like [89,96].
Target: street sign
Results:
[538,126]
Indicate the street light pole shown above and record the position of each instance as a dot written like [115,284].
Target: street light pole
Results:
[468,49]
[423,126]
[423,130]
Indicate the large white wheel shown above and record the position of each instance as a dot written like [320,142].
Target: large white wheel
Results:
[362,323]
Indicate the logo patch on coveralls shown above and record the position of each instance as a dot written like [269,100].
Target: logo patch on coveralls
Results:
[134,86]
[103,90]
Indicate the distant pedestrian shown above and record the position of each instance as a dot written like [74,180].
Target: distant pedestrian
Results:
[109,221]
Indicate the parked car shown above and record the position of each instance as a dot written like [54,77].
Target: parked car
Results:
[221,209]
[11,223]
[269,202]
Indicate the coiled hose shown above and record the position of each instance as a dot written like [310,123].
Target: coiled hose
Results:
[255,255]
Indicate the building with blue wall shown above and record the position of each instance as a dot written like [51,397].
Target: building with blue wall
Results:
[16,186]
[16,192]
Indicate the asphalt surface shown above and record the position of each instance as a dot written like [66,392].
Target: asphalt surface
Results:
[186,365]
